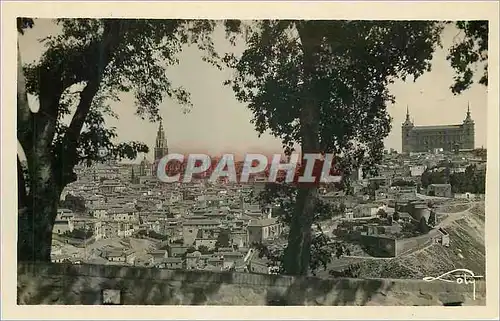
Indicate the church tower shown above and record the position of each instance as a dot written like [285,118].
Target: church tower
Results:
[161,145]
[406,129]
[468,131]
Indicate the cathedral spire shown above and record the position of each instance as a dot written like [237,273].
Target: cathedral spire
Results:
[468,118]
[408,121]
[161,145]
[160,128]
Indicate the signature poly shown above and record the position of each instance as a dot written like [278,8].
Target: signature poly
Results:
[460,276]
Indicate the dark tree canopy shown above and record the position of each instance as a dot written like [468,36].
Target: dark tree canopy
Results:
[83,69]
[223,239]
[350,77]
[432,218]
[473,180]
[403,183]
[422,226]
[468,53]
[381,213]
[79,234]
[324,85]
[24,23]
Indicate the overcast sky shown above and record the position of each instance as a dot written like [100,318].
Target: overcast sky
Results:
[218,123]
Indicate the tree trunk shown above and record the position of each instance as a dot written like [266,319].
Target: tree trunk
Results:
[297,253]
[35,230]
[22,195]
[48,173]
[36,222]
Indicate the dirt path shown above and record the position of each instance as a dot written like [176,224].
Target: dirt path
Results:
[367,257]
[451,217]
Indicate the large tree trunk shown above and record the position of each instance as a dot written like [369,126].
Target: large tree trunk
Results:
[50,171]
[297,253]
[22,195]
[35,228]
[38,206]
[35,223]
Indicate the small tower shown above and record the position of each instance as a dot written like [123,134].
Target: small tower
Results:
[144,167]
[134,179]
[468,130]
[406,129]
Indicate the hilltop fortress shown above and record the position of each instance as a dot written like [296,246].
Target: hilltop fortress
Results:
[447,137]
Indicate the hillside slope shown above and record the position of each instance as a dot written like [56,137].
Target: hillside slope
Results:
[466,250]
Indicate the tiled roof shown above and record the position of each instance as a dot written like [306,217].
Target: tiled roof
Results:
[201,222]
[264,222]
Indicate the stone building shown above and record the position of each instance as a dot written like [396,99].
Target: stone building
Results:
[445,137]
[440,190]
[261,230]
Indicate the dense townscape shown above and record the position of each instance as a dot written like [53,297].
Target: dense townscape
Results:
[122,214]
[103,210]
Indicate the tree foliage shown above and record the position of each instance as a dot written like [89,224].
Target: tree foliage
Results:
[204,250]
[437,175]
[82,70]
[24,23]
[324,85]
[223,239]
[403,183]
[79,234]
[432,219]
[422,226]
[352,69]
[472,180]
[382,213]
[105,57]
[469,52]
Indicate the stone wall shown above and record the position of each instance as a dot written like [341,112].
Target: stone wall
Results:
[410,244]
[83,284]
[379,246]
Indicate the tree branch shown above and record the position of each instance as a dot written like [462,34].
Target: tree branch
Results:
[24,114]
[103,52]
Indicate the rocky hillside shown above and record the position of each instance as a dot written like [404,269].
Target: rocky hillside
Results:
[466,250]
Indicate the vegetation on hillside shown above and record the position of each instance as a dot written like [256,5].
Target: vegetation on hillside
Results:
[79,234]
[473,180]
